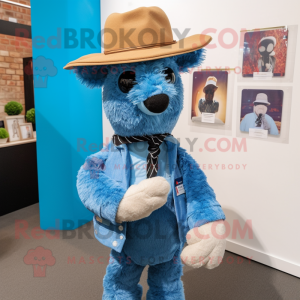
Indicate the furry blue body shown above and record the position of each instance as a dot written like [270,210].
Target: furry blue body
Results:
[102,193]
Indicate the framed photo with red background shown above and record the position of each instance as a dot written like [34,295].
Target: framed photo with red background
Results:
[265,51]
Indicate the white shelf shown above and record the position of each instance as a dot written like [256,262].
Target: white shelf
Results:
[9,144]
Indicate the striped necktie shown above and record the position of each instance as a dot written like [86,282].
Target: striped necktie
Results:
[154,141]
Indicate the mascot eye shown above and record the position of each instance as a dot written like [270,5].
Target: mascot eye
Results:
[126,81]
[170,76]
[270,47]
[261,49]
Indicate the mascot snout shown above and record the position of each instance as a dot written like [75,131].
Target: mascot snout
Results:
[155,104]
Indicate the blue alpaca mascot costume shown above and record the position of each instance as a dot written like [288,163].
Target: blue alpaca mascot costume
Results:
[148,195]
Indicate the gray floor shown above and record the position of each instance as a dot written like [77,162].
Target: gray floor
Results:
[83,279]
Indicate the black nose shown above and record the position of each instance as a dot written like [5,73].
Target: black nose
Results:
[157,103]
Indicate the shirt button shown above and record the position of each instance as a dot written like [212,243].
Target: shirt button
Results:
[121,228]
[115,244]
[95,231]
[121,237]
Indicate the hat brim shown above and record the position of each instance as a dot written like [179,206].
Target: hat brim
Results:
[185,45]
[260,102]
[272,38]
[215,86]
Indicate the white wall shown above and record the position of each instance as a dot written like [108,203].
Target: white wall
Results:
[267,191]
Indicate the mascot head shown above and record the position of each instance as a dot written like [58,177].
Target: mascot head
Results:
[140,71]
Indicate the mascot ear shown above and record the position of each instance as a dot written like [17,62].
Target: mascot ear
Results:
[92,76]
[190,60]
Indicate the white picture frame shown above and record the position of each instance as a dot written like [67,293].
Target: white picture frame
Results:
[12,126]
[26,131]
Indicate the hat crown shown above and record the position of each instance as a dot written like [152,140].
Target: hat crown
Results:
[143,27]
[211,78]
[261,97]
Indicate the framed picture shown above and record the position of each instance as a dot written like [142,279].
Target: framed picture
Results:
[26,131]
[265,53]
[12,126]
[209,97]
[261,109]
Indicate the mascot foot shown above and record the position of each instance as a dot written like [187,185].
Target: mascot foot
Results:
[165,295]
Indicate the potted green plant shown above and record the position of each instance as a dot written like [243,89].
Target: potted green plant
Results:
[13,108]
[30,117]
[3,135]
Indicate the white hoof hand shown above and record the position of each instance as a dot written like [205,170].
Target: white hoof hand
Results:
[206,246]
[142,199]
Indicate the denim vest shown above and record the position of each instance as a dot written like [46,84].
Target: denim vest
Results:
[117,167]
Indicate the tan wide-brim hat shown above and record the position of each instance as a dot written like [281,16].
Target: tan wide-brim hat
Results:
[138,35]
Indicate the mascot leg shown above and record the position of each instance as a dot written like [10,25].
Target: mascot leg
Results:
[164,280]
[122,278]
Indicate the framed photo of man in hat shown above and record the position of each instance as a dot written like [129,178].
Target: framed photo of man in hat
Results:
[265,53]
[261,109]
[209,96]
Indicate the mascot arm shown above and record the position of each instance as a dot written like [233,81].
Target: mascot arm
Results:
[107,199]
[206,243]
[202,206]
[99,193]
[142,199]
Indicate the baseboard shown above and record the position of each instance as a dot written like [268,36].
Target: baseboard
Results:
[269,260]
